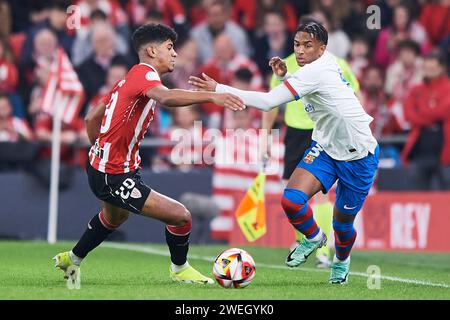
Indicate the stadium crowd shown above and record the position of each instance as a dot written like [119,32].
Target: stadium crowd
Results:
[401,66]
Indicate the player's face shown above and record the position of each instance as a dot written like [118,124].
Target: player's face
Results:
[166,56]
[307,49]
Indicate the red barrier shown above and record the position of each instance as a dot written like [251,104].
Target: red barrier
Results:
[416,221]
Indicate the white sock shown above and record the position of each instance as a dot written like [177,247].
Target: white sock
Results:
[177,268]
[336,260]
[317,237]
[75,259]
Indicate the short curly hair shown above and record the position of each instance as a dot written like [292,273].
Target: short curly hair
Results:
[152,33]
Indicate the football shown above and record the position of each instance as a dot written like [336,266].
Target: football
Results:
[234,268]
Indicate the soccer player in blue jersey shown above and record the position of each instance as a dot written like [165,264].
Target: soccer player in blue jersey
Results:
[343,147]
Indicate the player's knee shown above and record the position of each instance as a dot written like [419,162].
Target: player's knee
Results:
[116,218]
[293,201]
[119,220]
[184,217]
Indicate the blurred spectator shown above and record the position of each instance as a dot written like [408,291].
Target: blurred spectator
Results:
[56,22]
[374,102]
[435,17]
[8,70]
[44,50]
[112,10]
[155,17]
[405,72]
[82,46]
[445,48]
[274,41]
[387,11]
[359,57]
[6,19]
[198,11]
[242,79]
[41,75]
[116,72]
[16,148]
[354,22]
[222,67]
[188,151]
[339,43]
[404,27]
[12,129]
[226,60]
[186,64]
[250,14]
[92,72]
[218,21]
[43,125]
[335,10]
[172,11]
[427,108]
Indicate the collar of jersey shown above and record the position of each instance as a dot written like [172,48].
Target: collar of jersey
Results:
[149,65]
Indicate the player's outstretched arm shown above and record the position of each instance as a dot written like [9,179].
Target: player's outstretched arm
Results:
[93,121]
[179,98]
[260,100]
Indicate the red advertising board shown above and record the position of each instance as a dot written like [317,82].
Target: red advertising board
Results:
[412,221]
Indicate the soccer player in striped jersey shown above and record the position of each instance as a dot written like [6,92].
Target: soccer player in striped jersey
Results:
[115,128]
[343,147]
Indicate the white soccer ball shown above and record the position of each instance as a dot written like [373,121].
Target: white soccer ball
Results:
[234,268]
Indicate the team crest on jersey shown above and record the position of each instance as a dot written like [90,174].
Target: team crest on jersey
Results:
[151,76]
[312,154]
[308,159]
[135,193]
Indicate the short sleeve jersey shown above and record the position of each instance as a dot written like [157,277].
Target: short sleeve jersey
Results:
[341,124]
[125,121]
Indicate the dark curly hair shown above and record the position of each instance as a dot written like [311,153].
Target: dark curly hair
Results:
[152,33]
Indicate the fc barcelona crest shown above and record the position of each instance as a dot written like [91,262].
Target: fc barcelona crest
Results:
[308,159]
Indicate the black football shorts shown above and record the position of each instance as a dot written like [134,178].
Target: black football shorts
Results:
[296,141]
[126,191]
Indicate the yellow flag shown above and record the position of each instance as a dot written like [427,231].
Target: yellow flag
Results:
[251,213]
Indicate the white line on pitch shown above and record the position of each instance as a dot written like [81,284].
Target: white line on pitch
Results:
[138,248]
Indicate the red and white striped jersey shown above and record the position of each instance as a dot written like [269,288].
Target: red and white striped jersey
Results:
[127,116]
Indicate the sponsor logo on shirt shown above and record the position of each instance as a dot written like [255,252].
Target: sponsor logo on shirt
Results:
[309,107]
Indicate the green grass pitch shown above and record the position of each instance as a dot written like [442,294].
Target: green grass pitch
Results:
[140,271]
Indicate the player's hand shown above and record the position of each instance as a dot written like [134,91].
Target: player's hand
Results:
[205,84]
[229,101]
[278,66]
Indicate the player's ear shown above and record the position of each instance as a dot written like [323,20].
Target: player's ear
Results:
[322,48]
[151,51]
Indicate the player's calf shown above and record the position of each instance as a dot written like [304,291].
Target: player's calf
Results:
[294,203]
[345,236]
[300,215]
